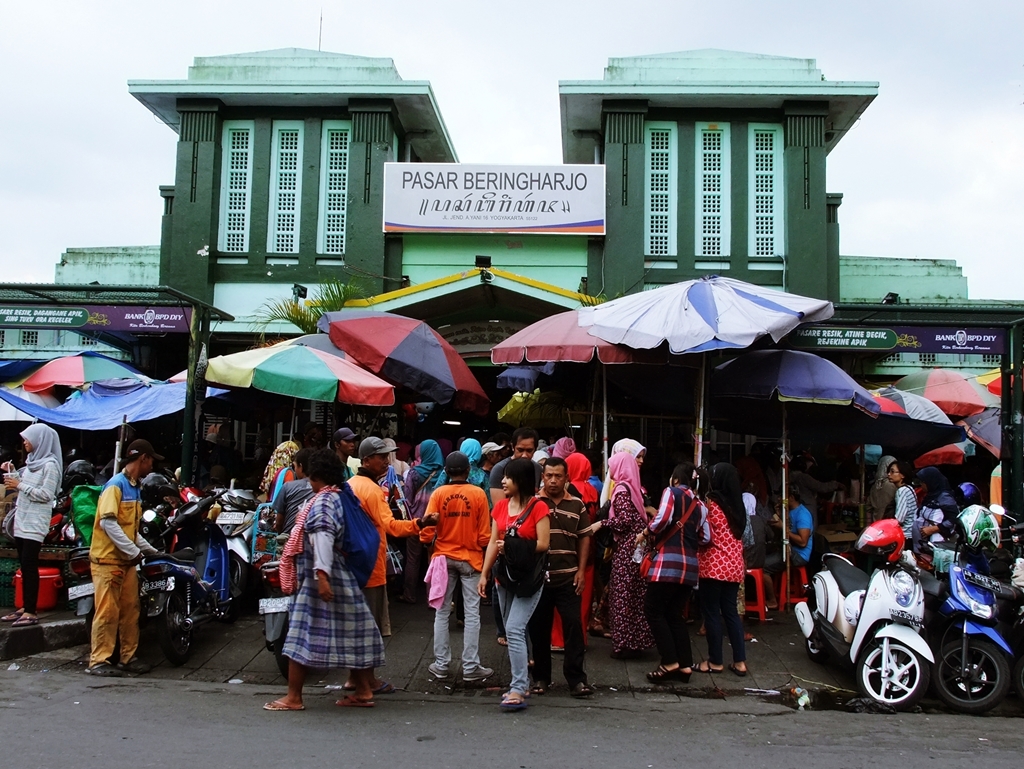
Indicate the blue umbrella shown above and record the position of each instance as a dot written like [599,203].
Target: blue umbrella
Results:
[523,378]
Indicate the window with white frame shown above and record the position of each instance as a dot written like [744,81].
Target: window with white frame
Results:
[29,338]
[713,190]
[236,186]
[330,230]
[660,185]
[285,187]
[766,220]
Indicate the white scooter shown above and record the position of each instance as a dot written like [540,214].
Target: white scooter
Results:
[873,622]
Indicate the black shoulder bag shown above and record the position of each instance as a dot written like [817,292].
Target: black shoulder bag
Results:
[521,569]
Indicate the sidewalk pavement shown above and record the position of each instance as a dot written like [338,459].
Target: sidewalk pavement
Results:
[236,653]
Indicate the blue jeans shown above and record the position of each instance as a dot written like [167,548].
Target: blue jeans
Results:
[459,572]
[718,601]
[516,612]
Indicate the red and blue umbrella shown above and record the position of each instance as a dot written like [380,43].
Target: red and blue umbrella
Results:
[79,370]
[406,352]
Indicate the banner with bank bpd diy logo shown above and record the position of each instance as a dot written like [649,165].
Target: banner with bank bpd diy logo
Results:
[452,197]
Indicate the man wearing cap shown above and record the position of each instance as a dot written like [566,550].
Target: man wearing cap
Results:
[116,548]
[490,454]
[344,442]
[462,532]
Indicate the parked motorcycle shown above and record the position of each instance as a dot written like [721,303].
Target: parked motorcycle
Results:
[972,672]
[274,609]
[871,621]
[191,585]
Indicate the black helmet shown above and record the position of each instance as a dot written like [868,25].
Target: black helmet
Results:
[79,473]
[155,487]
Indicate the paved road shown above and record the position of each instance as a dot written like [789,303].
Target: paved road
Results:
[65,718]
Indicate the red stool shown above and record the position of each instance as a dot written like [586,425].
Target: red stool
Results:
[757,606]
[782,587]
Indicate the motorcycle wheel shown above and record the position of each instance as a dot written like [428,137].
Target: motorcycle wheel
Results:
[903,688]
[989,680]
[175,640]
[816,650]
[282,661]
[1018,678]
[238,582]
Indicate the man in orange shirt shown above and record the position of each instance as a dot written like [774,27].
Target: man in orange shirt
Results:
[462,532]
[373,458]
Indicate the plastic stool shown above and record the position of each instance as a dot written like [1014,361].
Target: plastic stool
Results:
[782,588]
[757,606]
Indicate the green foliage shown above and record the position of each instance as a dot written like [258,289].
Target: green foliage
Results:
[329,296]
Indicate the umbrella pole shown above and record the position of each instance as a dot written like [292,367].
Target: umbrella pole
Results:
[604,413]
[861,509]
[784,598]
[291,422]
[698,436]
[120,442]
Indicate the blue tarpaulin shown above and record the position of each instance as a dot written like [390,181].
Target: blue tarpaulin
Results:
[103,407]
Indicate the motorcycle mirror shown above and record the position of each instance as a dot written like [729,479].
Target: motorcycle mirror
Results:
[149,516]
[997,509]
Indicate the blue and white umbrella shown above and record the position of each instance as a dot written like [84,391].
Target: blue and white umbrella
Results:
[711,313]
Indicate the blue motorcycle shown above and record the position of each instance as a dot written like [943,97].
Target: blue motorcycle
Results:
[972,659]
[192,585]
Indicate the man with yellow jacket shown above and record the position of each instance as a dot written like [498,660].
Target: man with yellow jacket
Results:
[117,547]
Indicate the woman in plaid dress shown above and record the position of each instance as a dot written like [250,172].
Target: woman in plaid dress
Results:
[329,625]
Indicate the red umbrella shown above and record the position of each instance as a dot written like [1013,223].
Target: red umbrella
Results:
[406,352]
[560,338]
[889,406]
[953,454]
[951,391]
[78,370]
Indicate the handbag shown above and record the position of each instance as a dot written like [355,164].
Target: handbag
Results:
[648,560]
[521,569]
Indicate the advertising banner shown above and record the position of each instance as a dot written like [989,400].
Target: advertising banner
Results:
[139,319]
[928,339]
[452,197]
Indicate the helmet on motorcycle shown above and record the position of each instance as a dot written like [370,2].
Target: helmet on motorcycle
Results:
[978,528]
[970,493]
[883,538]
[155,487]
[81,472]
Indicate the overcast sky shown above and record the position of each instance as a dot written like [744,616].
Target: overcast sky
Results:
[934,169]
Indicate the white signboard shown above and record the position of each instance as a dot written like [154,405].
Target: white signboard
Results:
[452,197]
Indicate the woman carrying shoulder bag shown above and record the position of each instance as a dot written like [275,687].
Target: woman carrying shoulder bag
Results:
[670,568]
[519,525]
[37,486]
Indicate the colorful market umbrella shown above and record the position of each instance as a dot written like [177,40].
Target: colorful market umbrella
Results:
[710,313]
[951,391]
[78,370]
[986,429]
[9,413]
[951,454]
[559,338]
[300,372]
[915,406]
[407,352]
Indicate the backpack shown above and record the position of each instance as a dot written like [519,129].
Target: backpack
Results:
[361,544]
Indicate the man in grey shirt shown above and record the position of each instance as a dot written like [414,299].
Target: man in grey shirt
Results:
[293,494]
[524,446]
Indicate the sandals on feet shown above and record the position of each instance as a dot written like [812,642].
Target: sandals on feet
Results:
[662,675]
[540,688]
[25,620]
[14,616]
[279,705]
[736,670]
[513,701]
[705,667]
[582,689]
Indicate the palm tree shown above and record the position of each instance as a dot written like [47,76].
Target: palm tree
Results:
[329,296]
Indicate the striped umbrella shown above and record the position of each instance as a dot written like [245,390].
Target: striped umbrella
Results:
[986,429]
[951,391]
[301,372]
[79,370]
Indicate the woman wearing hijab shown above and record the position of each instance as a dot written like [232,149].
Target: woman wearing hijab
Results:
[722,570]
[937,516]
[631,633]
[881,502]
[636,450]
[278,469]
[420,481]
[37,486]
[563,448]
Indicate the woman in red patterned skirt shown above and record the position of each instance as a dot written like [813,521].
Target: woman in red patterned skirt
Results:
[631,633]
[722,570]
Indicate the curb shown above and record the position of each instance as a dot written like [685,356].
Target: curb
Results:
[46,636]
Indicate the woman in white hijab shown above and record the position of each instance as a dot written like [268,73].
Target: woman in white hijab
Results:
[37,486]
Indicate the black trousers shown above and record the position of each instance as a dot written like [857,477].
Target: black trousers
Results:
[28,557]
[563,598]
[664,604]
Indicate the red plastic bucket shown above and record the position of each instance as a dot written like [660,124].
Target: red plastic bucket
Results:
[50,582]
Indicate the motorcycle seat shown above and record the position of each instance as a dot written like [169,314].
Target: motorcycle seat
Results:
[185,555]
[847,576]
[935,590]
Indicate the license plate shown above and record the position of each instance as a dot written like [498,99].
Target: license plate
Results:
[156,585]
[81,591]
[273,605]
[982,581]
[230,518]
